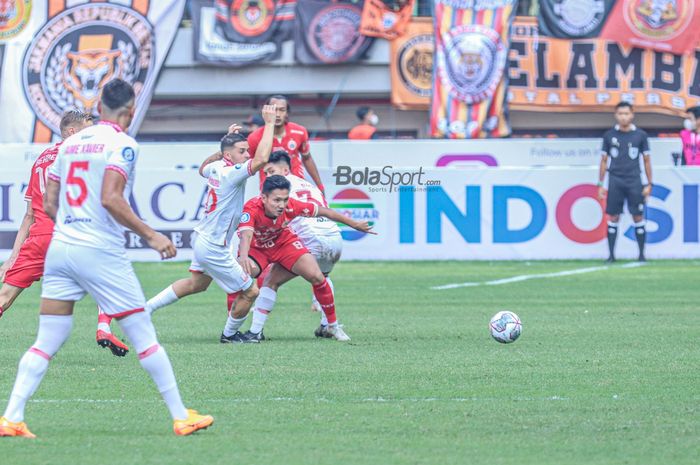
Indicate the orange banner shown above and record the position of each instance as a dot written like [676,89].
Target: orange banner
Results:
[381,20]
[411,66]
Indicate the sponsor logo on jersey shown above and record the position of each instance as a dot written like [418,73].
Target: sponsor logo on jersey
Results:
[128,154]
[238,166]
[14,16]
[579,17]
[245,217]
[334,33]
[472,62]
[292,145]
[415,63]
[659,19]
[80,50]
[357,205]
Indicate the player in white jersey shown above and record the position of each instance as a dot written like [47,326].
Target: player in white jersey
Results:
[226,173]
[319,235]
[86,195]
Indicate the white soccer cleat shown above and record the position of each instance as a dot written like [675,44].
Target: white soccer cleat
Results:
[337,333]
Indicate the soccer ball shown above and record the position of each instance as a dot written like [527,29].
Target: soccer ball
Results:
[505,327]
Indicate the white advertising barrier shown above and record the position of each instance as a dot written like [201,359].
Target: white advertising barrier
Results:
[483,214]
[491,153]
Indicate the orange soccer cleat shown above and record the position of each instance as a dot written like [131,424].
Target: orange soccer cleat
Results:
[9,428]
[108,340]
[194,422]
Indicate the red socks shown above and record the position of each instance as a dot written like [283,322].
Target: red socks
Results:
[324,295]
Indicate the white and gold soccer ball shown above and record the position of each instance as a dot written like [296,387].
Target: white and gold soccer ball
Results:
[505,327]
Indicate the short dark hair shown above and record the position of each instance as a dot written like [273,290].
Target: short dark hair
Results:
[279,97]
[362,112]
[695,111]
[280,156]
[116,94]
[229,140]
[72,118]
[624,104]
[275,182]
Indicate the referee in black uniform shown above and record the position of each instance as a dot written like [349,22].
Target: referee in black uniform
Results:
[624,144]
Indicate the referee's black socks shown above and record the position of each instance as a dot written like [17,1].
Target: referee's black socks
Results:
[612,237]
[640,231]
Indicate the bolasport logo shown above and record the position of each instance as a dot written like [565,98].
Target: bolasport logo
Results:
[386,179]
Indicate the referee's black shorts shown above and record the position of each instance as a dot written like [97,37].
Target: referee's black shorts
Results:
[621,189]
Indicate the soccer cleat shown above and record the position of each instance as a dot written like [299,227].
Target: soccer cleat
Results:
[322,331]
[194,422]
[337,333]
[9,428]
[251,335]
[109,341]
[237,338]
[642,258]
[610,260]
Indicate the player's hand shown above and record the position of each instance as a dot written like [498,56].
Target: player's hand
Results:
[269,113]
[364,226]
[602,193]
[234,128]
[162,245]
[247,264]
[646,192]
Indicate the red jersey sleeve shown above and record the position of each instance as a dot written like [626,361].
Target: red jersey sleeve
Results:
[30,187]
[247,221]
[298,208]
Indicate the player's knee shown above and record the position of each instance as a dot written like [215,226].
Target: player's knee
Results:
[317,278]
[251,293]
[140,331]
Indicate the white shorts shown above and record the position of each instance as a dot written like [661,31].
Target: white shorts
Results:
[218,263]
[71,271]
[326,249]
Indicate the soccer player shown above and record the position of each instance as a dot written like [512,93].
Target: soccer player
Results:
[624,144]
[213,258]
[266,238]
[290,137]
[26,262]
[87,195]
[319,235]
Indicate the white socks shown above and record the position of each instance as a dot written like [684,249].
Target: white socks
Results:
[263,306]
[140,331]
[53,332]
[233,325]
[165,297]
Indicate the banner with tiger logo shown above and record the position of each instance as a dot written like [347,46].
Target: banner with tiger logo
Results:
[665,25]
[387,19]
[411,66]
[573,19]
[472,38]
[70,49]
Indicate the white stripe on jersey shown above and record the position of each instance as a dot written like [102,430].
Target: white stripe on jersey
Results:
[224,204]
[80,167]
[309,227]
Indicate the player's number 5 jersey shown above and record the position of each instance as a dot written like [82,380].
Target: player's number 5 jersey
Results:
[80,168]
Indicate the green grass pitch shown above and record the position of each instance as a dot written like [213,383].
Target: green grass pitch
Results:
[606,372]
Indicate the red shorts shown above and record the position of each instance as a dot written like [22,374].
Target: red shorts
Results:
[29,266]
[285,253]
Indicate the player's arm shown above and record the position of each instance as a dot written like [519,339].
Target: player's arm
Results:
[22,235]
[210,159]
[50,201]
[312,169]
[264,148]
[646,192]
[246,236]
[114,202]
[601,175]
[331,214]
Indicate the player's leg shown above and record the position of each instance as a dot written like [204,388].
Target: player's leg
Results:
[306,267]
[197,282]
[614,204]
[105,338]
[8,294]
[117,291]
[27,268]
[276,277]
[635,203]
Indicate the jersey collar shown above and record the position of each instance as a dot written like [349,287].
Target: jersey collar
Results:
[112,125]
[632,127]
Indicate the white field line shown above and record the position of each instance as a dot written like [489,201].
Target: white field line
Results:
[382,400]
[527,277]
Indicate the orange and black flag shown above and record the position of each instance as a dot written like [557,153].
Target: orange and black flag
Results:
[470,82]
[387,19]
[411,66]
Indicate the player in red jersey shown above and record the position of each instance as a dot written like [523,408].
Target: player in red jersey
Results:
[292,138]
[26,262]
[266,238]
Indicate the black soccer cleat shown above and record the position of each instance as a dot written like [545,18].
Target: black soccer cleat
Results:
[322,331]
[642,258]
[237,338]
[610,260]
[257,336]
